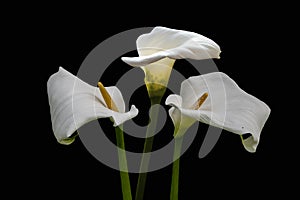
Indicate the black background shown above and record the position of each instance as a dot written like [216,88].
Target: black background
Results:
[48,36]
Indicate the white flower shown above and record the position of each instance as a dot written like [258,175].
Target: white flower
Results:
[159,49]
[74,103]
[226,106]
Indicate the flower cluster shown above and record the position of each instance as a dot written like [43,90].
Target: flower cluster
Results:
[158,50]
[212,98]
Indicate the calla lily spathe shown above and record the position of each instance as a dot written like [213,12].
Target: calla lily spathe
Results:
[227,106]
[159,49]
[74,103]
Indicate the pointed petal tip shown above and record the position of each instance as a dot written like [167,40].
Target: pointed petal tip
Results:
[173,99]
[135,61]
[128,115]
[61,69]
[134,111]
[124,59]
[128,60]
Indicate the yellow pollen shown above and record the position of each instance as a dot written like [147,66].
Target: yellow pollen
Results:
[201,100]
[108,100]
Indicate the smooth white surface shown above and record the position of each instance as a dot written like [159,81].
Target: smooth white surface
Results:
[227,107]
[74,103]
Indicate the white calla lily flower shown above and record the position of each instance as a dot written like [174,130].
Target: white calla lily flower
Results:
[159,49]
[215,99]
[74,103]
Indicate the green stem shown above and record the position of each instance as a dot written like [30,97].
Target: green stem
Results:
[125,182]
[140,189]
[175,170]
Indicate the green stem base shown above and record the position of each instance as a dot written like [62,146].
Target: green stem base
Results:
[125,181]
[140,189]
[175,169]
